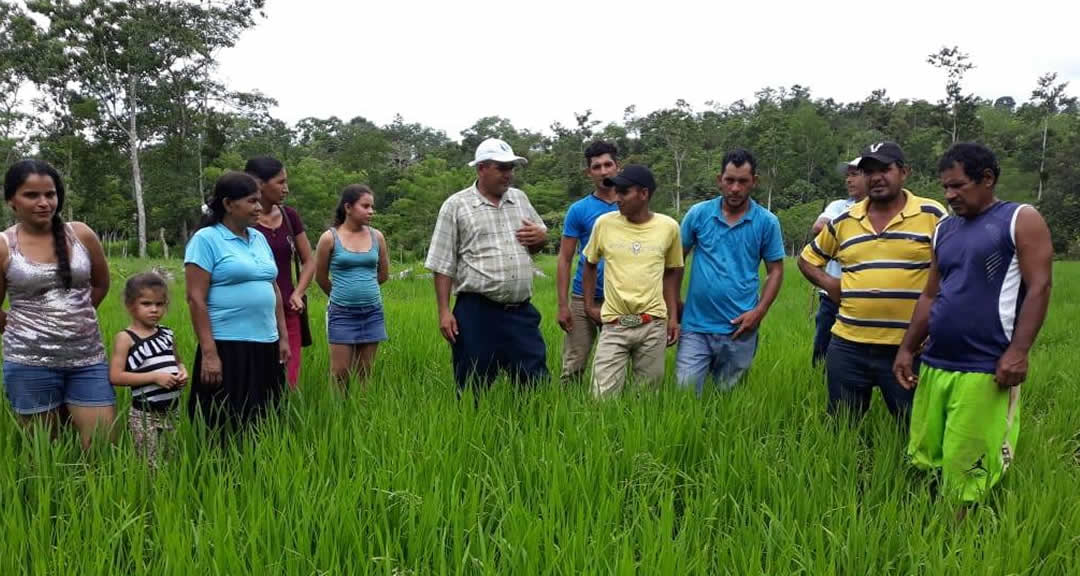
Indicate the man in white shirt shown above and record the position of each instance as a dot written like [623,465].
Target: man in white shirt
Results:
[826,316]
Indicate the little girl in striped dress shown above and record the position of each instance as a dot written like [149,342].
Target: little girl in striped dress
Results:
[144,358]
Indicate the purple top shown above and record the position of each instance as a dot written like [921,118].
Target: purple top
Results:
[975,312]
[281,245]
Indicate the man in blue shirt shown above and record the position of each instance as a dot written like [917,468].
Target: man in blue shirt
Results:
[601,159]
[729,237]
[975,323]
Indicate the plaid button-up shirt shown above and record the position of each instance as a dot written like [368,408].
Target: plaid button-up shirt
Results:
[474,244]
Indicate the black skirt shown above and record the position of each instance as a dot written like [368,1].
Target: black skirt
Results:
[252,379]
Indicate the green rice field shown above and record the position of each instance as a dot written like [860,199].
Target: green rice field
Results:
[401,477]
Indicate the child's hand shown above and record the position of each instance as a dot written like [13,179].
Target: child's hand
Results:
[165,380]
[181,378]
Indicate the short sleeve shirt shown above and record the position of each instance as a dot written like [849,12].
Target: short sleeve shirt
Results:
[474,243]
[281,245]
[241,300]
[882,273]
[724,278]
[636,255]
[578,224]
[832,211]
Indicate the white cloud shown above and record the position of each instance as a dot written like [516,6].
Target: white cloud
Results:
[446,64]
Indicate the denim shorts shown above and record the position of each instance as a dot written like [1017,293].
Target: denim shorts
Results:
[37,389]
[355,324]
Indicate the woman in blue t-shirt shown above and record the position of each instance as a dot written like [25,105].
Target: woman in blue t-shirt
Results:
[236,309]
[351,260]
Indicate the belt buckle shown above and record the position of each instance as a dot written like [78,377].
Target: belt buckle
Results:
[630,320]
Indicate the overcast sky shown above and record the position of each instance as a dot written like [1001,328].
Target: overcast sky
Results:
[447,63]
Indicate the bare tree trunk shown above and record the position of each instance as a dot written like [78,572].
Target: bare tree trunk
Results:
[809,163]
[772,178]
[1042,160]
[678,183]
[164,244]
[136,170]
[809,171]
[70,180]
[198,153]
[954,123]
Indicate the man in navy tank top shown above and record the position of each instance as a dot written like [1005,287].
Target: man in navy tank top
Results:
[982,308]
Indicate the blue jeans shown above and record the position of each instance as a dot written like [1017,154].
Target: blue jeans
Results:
[826,317]
[854,369]
[37,389]
[726,359]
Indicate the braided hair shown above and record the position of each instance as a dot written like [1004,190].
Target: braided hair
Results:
[16,176]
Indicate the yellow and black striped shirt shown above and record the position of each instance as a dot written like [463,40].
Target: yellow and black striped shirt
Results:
[883,273]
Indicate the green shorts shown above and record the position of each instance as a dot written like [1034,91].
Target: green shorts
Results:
[966,425]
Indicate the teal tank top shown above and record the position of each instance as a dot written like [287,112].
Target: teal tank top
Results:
[354,276]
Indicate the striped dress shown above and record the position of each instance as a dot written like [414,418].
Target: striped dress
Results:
[148,355]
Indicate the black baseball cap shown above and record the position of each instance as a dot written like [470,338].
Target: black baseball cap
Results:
[884,152]
[633,175]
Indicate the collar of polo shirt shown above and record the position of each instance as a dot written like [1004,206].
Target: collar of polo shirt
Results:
[912,207]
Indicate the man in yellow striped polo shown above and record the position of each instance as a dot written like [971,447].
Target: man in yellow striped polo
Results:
[883,245]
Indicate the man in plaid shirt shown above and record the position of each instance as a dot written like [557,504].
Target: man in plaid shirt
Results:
[482,251]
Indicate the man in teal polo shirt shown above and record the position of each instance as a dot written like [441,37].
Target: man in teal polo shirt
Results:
[729,237]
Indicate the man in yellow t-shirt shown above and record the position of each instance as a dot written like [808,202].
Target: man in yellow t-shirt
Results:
[642,260]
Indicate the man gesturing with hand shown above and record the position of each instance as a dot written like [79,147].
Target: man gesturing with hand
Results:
[481,250]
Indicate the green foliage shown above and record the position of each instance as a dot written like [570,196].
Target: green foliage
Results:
[417,196]
[186,139]
[403,477]
[315,189]
[795,223]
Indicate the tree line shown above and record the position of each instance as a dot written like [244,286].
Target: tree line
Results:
[123,97]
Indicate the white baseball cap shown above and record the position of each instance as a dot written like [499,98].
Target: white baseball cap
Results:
[495,150]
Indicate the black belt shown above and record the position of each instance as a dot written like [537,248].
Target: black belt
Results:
[493,303]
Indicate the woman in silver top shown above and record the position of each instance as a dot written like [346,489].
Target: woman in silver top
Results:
[54,276]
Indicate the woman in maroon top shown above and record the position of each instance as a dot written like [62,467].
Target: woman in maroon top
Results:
[284,232]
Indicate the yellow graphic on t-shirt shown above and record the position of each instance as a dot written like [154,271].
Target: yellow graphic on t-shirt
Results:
[635,256]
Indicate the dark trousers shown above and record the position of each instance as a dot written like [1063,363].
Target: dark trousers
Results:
[493,337]
[252,381]
[854,369]
[826,317]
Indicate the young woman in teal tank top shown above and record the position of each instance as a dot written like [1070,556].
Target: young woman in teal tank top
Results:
[351,261]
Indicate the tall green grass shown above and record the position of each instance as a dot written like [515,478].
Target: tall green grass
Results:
[403,478]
